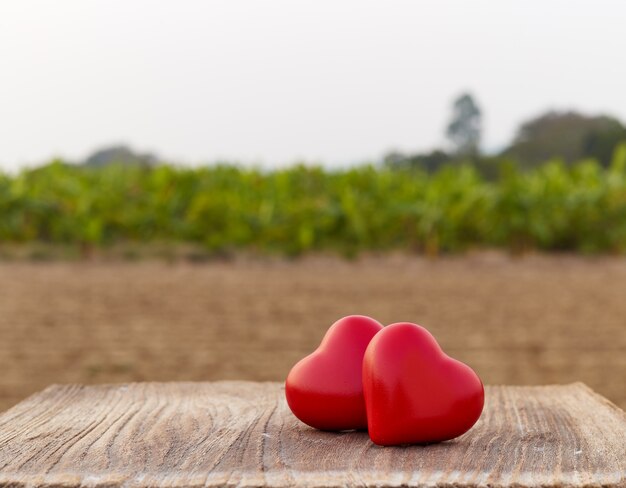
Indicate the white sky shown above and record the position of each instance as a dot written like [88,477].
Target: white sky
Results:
[273,81]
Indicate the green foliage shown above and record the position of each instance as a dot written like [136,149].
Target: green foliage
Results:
[291,211]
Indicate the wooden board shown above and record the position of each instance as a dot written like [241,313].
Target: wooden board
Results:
[241,433]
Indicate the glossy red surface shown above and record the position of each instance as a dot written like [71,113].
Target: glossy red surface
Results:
[325,389]
[414,392]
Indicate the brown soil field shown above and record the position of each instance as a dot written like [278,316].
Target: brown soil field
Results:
[536,320]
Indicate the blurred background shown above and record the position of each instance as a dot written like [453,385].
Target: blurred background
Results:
[197,190]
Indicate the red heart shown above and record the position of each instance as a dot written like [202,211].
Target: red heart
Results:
[414,392]
[325,389]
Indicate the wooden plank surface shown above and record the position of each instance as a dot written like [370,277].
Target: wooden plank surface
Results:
[242,434]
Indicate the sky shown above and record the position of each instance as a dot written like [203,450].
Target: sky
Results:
[272,82]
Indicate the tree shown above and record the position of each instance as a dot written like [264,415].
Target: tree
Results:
[464,130]
[570,136]
[430,162]
[120,155]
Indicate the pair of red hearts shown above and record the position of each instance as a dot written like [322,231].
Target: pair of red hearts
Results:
[394,381]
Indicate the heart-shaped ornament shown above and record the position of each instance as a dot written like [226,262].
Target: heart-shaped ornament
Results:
[414,392]
[325,389]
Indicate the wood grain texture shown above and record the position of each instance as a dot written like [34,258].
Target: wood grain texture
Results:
[242,434]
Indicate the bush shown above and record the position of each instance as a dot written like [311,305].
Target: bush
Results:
[291,211]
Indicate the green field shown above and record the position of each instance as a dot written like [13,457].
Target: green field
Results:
[224,208]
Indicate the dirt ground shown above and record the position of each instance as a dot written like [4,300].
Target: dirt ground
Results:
[535,320]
